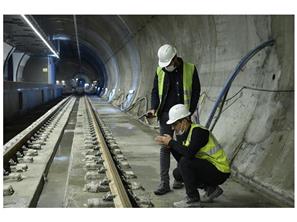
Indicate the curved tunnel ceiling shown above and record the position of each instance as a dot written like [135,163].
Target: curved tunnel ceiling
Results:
[19,34]
[100,37]
[107,44]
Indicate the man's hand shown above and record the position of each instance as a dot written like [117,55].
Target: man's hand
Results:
[163,140]
[151,113]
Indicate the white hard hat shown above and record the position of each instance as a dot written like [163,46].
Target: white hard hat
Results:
[166,53]
[177,112]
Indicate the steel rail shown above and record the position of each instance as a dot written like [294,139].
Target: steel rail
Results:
[12,146]
[121,199]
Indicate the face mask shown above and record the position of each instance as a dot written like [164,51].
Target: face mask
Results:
[180,132]
[170,68]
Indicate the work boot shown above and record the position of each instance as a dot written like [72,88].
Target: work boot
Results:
[162,190]
[188,202]
[177,184]
[211,193]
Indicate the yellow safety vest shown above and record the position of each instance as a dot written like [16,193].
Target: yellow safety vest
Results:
[188,70]
[212,151]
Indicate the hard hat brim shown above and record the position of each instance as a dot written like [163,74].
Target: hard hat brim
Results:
[171,121]
[164,64]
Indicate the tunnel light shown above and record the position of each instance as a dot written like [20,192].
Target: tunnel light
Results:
[61,37]
[40,36]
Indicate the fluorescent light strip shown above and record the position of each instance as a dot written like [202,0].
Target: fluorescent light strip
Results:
[39,35]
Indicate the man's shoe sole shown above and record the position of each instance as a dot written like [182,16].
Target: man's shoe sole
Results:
[177,187]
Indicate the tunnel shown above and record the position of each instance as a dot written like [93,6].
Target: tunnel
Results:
[113,58]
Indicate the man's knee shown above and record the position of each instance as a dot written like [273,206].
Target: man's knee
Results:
[177,175]
[183,163]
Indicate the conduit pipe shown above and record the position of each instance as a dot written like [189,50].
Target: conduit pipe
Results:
[231,78]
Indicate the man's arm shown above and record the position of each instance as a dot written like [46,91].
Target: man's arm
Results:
[195,91]
[155,96]
[199,139]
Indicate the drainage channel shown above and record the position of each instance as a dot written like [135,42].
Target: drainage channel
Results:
[54,188]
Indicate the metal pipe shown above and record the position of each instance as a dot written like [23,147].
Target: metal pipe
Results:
[228,83]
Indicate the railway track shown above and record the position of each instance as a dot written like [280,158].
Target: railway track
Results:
[98,173]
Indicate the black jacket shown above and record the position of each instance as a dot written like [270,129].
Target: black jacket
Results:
[198,140]
[173,90]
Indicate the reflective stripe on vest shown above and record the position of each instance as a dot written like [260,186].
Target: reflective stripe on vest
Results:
[188,70]
[212,151]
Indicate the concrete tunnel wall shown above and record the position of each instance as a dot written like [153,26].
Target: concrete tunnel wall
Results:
[256,128]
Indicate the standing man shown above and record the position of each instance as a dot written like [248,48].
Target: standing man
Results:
[176,82]
[202,162]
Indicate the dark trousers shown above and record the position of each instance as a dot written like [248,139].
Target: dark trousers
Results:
[164,152]
[198,173]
